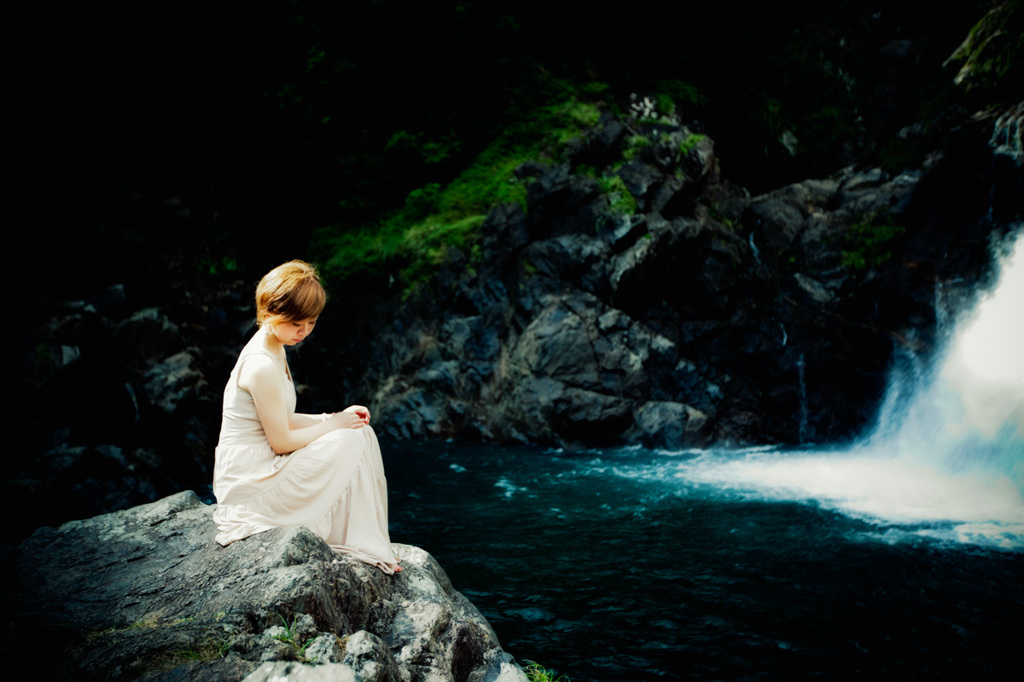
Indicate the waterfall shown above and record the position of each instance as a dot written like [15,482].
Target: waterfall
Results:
[946,458]
[968,414]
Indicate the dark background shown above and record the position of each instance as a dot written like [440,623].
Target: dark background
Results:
[180,138]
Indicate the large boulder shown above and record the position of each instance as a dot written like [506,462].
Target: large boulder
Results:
[147,594]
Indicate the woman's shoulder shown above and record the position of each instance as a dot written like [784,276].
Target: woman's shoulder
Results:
[255,365]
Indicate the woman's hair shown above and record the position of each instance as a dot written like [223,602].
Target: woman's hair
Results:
[291,291]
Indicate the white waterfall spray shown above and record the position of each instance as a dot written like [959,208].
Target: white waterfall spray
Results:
[970,414]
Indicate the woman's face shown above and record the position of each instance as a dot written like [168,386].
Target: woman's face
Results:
[291,332]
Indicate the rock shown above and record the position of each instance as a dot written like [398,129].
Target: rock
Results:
[120,412]
[574,329]
[368,655]
[815,289]
[147,336]
[700,161]
[296,672]
[777,220]
[143,593]
[175,380]
[559,203]
[667,424]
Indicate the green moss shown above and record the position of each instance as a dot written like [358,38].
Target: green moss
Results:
[148,624]
[595,88]
[431,242]
[675,97]
[634,145]
[436,218]
[690,143]
[666,105]
[620,199]
[991,56]
[868,243]
[197,642]
[579,116]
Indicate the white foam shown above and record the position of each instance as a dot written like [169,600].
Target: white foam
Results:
[884,489]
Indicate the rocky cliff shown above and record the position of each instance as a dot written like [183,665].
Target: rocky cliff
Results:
[147,594]
[639,298]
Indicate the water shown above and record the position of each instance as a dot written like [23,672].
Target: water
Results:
[901,556]
[626,566]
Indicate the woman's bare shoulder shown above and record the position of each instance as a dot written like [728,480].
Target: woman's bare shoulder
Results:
[256,368]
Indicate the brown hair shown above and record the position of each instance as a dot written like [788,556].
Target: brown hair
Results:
[291,291]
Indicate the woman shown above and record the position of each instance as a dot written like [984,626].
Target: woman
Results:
[276,467]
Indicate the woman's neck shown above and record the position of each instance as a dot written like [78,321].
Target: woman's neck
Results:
[270,342]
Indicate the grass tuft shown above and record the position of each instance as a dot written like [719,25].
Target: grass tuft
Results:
[535,672]
[289,637]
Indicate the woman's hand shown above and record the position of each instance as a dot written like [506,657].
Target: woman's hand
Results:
[359,411]
[355,417]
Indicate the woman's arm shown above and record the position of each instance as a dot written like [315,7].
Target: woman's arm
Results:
[300,420]
[262,379]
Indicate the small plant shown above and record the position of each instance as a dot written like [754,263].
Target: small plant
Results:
[535,672]
[289,637]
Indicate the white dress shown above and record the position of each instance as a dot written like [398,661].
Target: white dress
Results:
[335,486]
